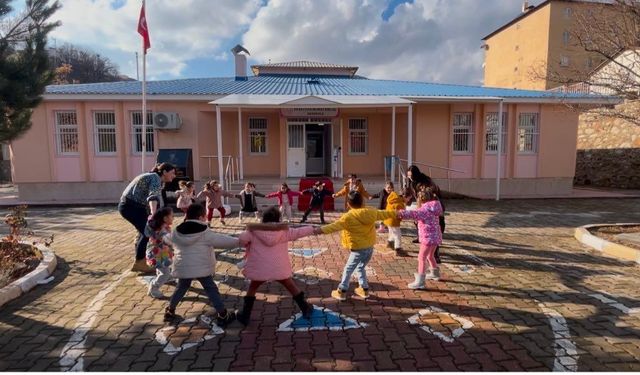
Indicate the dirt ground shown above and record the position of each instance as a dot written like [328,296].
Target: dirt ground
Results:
[610,233]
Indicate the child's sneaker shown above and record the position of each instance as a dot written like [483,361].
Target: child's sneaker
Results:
[361,292]
[170,315]
[339,294]
[155,292]
[223,319]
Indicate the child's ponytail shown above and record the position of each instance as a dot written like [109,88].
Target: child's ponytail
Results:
[157,220]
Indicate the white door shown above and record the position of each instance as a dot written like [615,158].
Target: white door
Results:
[295,151]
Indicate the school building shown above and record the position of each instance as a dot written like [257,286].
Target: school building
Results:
[286,121]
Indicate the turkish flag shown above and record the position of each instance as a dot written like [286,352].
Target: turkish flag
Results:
[143,30]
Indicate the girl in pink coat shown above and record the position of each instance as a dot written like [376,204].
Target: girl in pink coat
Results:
[285,200]
[268,259]
[427,215]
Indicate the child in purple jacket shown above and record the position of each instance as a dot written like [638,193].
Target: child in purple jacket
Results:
[427,216]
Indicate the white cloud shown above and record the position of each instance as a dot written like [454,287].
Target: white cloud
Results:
[181,30]
[429,40]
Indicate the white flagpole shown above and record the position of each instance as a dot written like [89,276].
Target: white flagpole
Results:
[144,96]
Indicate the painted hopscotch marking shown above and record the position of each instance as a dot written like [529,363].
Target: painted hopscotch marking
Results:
[208,331]
[321,319]
[566,354]
[615,304]
[307,252]
[311,275]
[465,323]
[71,355]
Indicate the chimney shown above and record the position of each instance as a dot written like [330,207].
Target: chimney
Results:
[240,62]
[525,6]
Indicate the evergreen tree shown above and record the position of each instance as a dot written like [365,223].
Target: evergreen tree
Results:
[24,67]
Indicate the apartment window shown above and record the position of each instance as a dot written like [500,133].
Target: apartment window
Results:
[589,62]
[463,132]
[491,135]
[358,135]
[104,124]
[528,133]
[136,132]
[564,61]
[565,38]
[257,135]
[66,132]
[568,12]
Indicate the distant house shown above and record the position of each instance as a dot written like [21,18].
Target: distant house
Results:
[285,121]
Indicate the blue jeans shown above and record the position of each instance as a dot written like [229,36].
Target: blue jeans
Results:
[357,261]
[209,287]
[137,215]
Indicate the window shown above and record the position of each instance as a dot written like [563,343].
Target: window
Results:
[491,136]
[589,63]
[565,38]
[358,136]
[528,133]
[66,133]
[257,135]
[568,12]
[136,132]
[564,61]
[463,132]
[105,132]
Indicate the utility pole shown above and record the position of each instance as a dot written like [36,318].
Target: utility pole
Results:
[137,70]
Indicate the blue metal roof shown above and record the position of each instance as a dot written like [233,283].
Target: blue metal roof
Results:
[300,85]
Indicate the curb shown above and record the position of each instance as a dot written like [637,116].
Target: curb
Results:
[583,235]
[30,280]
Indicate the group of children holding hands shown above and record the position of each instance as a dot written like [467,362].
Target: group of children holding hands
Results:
[187,252]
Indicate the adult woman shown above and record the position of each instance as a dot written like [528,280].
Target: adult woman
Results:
[142,197]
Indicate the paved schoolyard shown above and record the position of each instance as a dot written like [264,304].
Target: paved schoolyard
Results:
[519,293]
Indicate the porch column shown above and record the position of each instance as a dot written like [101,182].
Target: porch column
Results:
[393,142]
[240,157]
[342,152]
[219,139]
[499,154]
[410,135]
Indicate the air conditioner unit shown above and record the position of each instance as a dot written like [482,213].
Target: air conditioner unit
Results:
[166,121]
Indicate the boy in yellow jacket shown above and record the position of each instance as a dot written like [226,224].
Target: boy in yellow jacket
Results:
[358,236]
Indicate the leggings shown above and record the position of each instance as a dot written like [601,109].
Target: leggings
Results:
[220,209]
[426,254]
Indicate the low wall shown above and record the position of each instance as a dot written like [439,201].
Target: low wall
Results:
[618,167]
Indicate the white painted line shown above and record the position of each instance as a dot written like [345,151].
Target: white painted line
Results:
[163,335]
[465,323]
[565,349]
[71,354]
[475,258]
[615,304]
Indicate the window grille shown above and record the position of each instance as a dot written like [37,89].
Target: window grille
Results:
[296,135]
[564,61]
[358,134]
[257,135]
[491,135]
[528,133]
[136,132]
[565,38]
[463,132]
[105,132]
[66,133]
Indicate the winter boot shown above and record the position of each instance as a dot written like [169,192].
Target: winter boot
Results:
[170,315]
[437,255]
[245,315]
[390,244]
[434,274]
[305,307]
[418,283]
[225,317]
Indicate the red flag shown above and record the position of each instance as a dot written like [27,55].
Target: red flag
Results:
[143,30]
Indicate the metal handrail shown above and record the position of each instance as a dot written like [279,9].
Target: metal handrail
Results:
[402,176]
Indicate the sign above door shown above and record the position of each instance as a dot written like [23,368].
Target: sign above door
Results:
[309,112]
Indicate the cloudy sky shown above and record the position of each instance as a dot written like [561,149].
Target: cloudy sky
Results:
[424,40]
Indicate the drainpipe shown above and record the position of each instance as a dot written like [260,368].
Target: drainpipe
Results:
[499,153]
[219,136]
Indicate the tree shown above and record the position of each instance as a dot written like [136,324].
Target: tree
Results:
[608,35]
[85,66]
[24,67]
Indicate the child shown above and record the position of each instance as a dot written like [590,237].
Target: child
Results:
[159,251]
[213,194]
[268,259]
[318,193]
[382,205]
[285,204]
[394,202]
[358,236]
[429,209]
[186,195]
[248,200]
[195,258]
[352,184]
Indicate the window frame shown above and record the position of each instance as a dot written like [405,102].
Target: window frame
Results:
[73,130]
[112,131]
[469,134]
[505,131]
[135,134]
[528,130]
[256,131]
[361,133]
